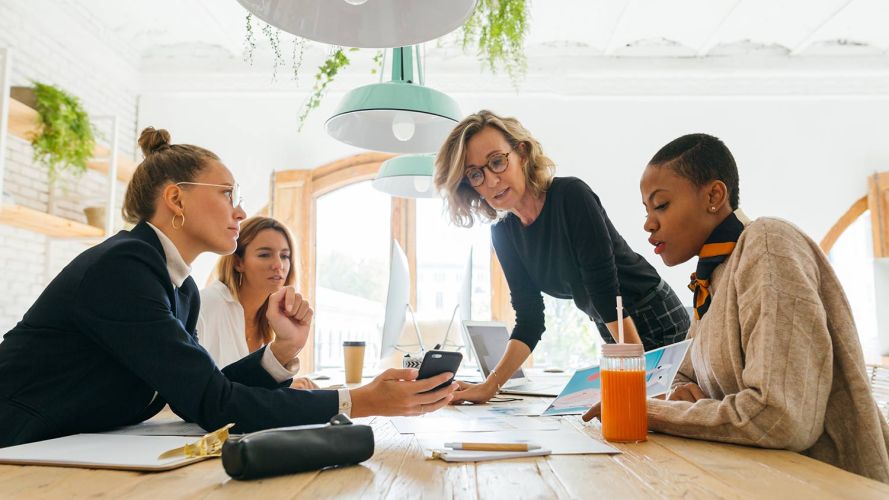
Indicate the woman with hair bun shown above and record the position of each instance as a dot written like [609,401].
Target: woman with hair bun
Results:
[112,338]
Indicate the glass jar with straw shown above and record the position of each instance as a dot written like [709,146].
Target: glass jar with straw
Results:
[624,405]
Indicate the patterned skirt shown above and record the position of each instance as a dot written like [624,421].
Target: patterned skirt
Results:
[660,318]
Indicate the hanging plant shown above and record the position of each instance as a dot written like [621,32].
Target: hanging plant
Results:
[497,29]
[326,73]
[377,66]
[65,141]
[249,40]
[296,60]
[273,35]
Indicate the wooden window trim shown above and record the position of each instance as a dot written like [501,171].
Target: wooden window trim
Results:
[294,203]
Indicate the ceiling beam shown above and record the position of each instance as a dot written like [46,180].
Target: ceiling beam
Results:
[712,40]
[810,38]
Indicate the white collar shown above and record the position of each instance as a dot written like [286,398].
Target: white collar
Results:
[176,265]
[225,292]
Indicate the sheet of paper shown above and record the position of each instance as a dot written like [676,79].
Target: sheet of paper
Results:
[461,423]
[566,440]
[99,450]
[583,390]
[493,409]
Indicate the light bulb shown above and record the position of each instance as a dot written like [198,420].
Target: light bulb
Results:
[403,126]
[356,2]
[422,183]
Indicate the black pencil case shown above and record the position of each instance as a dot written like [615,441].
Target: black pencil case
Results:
[288,450]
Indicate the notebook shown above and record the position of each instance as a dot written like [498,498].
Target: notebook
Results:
[101,451]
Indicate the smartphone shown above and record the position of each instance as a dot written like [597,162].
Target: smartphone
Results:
[435,362]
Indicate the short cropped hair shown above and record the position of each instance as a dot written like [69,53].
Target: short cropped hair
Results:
[701,158]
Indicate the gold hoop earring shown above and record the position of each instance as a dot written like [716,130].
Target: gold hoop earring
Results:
[240,279]
[173,222]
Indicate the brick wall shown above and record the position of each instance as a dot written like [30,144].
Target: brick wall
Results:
[58,42]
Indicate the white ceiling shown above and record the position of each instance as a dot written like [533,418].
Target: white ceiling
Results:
[609,27]
[593,37]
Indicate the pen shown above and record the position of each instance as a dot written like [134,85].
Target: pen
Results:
[492,446]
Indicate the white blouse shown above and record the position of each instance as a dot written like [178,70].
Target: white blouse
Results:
[221,330]
[221,325]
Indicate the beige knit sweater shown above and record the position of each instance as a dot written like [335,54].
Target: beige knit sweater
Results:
[778,355]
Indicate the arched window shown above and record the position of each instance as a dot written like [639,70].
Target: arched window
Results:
[341,224]
[858,248]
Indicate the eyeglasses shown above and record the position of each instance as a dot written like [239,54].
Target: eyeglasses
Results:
[233,193]
[497,163]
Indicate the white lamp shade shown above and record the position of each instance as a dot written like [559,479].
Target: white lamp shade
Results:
[369,24]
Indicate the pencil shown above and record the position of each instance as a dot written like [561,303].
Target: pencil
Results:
[492,446]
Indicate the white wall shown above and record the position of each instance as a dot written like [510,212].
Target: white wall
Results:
[803,159]
[57,42]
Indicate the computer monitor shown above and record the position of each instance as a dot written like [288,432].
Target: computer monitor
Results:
[464,301]
[464,304]
[397,303]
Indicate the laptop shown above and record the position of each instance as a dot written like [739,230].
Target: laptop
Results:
[488,341]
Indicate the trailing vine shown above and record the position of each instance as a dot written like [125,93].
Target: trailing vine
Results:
[249,40]
[296,60]
[325,75]
[497,28]
[273,35]
[377,66]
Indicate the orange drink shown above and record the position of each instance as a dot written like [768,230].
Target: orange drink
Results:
[624,408]
[624,402]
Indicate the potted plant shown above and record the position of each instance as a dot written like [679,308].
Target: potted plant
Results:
[65,140]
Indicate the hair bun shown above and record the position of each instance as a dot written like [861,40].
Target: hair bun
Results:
[152,140]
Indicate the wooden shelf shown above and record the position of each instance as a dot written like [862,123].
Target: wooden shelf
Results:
[51,225]
[24,123]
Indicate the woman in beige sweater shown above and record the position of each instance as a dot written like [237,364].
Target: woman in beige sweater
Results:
[776,360]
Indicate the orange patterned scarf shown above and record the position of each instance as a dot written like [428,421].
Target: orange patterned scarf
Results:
[716,249]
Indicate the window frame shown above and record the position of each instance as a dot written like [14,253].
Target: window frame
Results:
[294,203]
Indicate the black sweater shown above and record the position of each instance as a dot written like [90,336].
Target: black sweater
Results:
[571,251]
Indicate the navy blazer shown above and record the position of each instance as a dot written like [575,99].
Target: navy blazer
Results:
[110,341]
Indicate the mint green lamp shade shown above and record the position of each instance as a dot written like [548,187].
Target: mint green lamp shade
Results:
[407,176]
[364,23]
[395,117]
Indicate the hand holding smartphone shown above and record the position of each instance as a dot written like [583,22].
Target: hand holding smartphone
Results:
[435,362]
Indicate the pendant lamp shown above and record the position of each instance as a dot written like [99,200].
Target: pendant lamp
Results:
[399,116]
[364,23]
[407,176]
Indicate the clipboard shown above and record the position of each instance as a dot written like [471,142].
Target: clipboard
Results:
[102,451]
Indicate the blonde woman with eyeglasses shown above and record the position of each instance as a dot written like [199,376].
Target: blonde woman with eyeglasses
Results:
[552,236]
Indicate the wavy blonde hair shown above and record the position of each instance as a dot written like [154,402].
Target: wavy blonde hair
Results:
[228,275]
[463,203]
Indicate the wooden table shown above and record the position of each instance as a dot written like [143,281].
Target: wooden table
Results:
[665,466]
